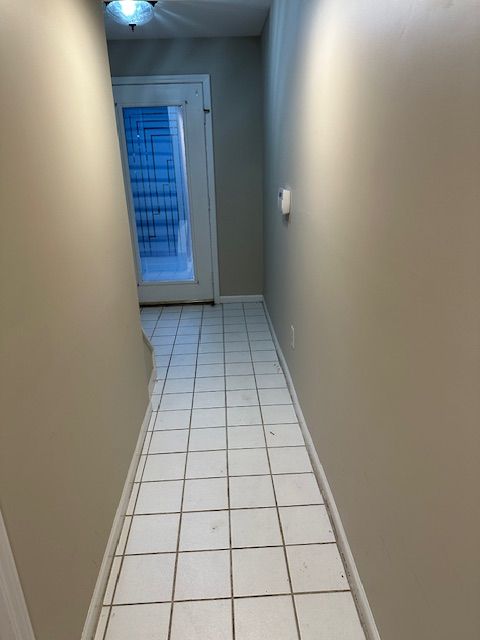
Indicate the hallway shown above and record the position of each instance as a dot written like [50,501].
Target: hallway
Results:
[225,514]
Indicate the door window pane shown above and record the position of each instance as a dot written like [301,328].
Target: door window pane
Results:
[156,159]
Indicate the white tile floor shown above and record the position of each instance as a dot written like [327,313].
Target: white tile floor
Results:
[226,535]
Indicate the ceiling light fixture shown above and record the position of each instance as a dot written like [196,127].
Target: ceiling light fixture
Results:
[131,12]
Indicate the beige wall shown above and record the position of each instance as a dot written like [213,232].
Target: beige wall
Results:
[73,388]
[372,117]
[234,65]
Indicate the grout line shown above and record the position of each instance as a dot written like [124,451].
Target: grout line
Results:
[232,602]
[271,506]
[263,546]
[280,524]
[243,597]
[180,520]
[239,475]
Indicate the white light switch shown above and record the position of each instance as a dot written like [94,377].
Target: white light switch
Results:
[285,200]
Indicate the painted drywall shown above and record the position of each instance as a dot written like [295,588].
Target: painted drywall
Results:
[372,118]
[73,388]
[234,65]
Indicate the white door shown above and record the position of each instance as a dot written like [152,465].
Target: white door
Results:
[162,138]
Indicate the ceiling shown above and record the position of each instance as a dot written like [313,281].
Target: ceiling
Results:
[197,19]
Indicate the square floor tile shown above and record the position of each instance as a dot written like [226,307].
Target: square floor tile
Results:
[258,331]
[210,370]
[279,414]
[271,381]
[255,528]
[182,349]
[158,387]
[297,489]
[316,567]
[145,579]
[153,534]
[172,420]
[235,336]
[164,466]
[264,356]
[165,331]
[176,401]
[210,347]
[259,572]
[208,399]
[204,494]
[210,358]
[182,359]
[236,347]
[284,435]
[236,383]
[323,616]
[239,369]
[208,418]
[159,497]
[211,338]
[208,439]
[189,338]
[262,345]
[169,441]
[155,402]
[139,621]
[237,416]
[275,396]
[263,368]
[202,575]
[306,525]
[289,460]
[237,356]
[212,325]
[267,618]
[204,530]
[182,371]
[178,385]
[208,620]
[251,491]
[233,327]
[245,462]
[242,398]
[210,384]
[161,370]
[246,437]
[207,464]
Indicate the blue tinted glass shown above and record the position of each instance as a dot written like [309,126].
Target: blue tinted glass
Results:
[156,160]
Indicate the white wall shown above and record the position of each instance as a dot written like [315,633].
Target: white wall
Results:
[73,376]
[372,117]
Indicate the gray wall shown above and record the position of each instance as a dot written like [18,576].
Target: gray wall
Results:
[73,379]
[372,117]
[234,65]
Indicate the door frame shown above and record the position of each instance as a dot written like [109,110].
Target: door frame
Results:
[204,80]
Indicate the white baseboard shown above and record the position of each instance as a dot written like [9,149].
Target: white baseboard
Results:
[101,584]
[15,621]
[252,298]
[358,591]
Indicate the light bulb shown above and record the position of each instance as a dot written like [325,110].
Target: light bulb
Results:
[128,7]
